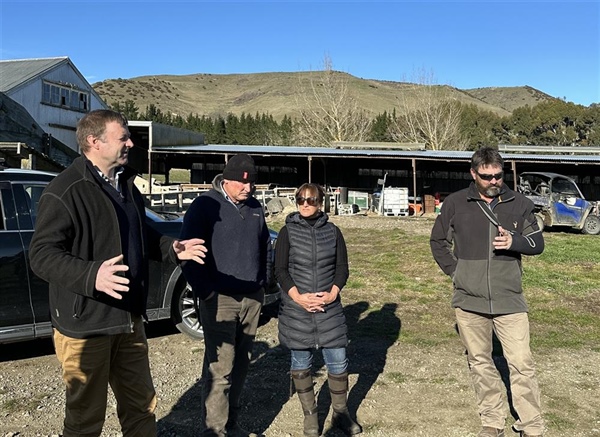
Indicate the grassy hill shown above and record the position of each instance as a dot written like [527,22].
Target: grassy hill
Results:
[275,93]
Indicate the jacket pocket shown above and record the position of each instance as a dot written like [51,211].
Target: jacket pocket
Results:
[78,305]
[471,277]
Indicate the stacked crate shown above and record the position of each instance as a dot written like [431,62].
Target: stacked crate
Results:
[395,201]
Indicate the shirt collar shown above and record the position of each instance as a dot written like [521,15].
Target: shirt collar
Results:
[112,182]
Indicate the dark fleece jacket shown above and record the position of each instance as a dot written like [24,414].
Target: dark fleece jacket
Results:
[238,260]
[77,229]
[486,280]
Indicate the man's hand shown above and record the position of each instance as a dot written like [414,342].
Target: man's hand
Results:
[504,240]
[108,279]
[191,249]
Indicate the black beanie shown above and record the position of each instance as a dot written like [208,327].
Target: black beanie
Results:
[240,168]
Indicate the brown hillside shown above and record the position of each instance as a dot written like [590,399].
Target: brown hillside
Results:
[509,98]
[274,93]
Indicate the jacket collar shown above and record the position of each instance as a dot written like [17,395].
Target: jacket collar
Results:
[81,164]
[319,221]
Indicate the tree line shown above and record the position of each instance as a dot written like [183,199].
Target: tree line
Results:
[433,119]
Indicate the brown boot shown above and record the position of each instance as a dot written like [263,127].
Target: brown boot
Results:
[303,382]
[338,388]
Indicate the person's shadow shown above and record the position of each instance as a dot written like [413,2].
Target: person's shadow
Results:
[371,337]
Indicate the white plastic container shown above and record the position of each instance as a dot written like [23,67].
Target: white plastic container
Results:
[395,201]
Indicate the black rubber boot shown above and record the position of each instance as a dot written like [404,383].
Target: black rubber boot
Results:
[338,388]
[303,383]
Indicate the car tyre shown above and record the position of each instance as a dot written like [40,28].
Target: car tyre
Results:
[185,316]
[591,225]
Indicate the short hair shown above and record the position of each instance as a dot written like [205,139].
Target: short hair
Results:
[94,123]
[314,189]
[486,156]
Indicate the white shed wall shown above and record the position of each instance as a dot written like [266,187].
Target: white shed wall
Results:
[30,97]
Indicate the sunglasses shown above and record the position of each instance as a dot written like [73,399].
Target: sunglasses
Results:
[489,177]
[312,201]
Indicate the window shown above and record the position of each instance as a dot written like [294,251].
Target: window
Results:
[7,205]
[65,96]
[564,186]
[34,192]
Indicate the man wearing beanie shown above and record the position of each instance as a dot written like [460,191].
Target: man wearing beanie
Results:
[229,286]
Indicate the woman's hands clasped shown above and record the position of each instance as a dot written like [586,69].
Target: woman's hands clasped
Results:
[314,302]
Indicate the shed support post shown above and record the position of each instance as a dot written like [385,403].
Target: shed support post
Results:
[414,170]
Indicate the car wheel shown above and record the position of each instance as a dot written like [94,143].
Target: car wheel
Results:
[591,225]
[185,316]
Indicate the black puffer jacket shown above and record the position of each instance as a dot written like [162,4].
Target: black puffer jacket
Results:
[312,265]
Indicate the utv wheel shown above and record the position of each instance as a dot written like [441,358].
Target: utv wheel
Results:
[540,221]
[185,316]
[591,225]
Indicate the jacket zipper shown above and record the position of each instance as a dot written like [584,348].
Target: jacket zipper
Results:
[493,231]
[314,256]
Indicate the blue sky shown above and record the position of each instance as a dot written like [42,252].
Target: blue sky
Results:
[553,46]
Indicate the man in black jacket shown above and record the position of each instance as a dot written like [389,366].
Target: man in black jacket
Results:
[478,240]
[230,286]
[92,245]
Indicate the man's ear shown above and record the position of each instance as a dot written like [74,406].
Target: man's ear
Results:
[93,142]
[473,174]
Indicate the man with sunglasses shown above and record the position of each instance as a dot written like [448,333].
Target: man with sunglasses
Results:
[478,240]
[230,287]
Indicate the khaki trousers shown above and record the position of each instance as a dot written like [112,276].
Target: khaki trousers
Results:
[513,332]
[90,365]
[230,324]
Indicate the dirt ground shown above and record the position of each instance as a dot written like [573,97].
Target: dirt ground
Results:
[397,389]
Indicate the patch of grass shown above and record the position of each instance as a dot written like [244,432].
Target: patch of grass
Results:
[22,404]
[11,405]
[397,377]
[558,423]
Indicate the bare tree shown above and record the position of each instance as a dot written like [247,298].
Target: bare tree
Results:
[328,112]
[428,113]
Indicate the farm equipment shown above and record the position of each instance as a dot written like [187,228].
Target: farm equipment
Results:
[559,202]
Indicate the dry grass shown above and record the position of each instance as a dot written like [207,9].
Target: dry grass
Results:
[274,93]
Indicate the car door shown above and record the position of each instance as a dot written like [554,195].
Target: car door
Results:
[27,196]
[16,314]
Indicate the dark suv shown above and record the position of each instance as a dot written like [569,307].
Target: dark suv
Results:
[24,310]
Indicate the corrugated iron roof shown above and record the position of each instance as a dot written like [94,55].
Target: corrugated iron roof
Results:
[16,72]
[434,155]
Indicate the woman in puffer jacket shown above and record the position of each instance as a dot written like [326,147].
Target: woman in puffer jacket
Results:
[311,266]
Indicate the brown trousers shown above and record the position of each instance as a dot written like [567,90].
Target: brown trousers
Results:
[230,324]
[513,332]
[90,365]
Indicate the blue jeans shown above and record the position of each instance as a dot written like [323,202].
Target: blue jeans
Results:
[335,359]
